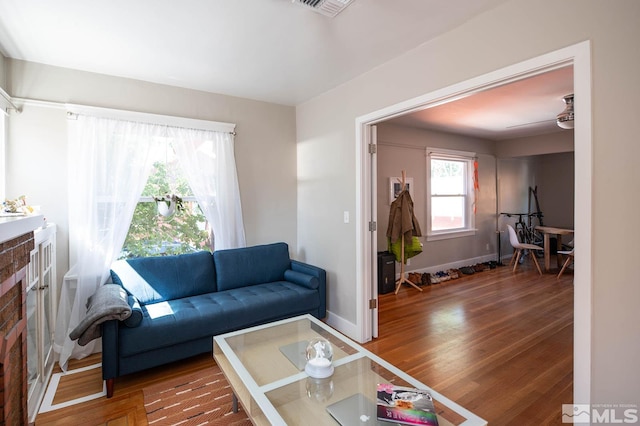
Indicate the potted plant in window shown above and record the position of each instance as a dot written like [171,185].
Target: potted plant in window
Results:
[168,204]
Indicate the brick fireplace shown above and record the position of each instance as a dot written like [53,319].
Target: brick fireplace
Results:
[14,257]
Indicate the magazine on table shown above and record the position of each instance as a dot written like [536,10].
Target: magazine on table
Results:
[405,405]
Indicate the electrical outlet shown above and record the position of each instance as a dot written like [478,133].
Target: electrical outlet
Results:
[487,246]
[346,217]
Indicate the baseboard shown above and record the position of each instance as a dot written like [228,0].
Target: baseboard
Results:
[343,326]
[453,265]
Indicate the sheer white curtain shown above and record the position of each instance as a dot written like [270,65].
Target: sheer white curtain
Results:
[208,160]
[109,166]
[109,163]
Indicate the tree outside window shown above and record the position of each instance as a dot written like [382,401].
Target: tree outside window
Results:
[152,234]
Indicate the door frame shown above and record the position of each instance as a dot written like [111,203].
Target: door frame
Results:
[578,55]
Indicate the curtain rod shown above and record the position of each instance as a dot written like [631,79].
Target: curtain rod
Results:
[7,103]
[176,125]
[73,110]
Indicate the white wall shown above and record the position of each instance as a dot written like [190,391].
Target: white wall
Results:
[513,32]
[265,145]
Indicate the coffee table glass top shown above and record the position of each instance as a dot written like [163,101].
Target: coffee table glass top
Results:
[265,366]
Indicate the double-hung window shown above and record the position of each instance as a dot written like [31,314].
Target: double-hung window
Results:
[450,194]
[185,230]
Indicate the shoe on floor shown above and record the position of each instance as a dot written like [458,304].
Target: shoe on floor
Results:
[415,278]
[467,270]
[453,273]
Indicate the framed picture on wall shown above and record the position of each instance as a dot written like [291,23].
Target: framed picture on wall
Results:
[395,187]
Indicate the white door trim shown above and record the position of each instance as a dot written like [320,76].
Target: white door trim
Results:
[580,56]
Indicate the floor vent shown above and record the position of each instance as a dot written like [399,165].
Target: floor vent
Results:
[325,7]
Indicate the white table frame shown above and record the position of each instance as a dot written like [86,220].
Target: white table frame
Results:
[223,353]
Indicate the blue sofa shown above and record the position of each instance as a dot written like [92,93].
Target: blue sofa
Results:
[180,302]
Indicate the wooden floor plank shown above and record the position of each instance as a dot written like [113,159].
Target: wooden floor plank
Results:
[500,344]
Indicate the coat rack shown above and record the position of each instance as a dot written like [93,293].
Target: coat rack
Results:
[403,279]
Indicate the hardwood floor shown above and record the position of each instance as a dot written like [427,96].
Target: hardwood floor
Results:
[499,344]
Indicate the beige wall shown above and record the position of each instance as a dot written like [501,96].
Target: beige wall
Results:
[3,72]
[552,174]
[37,147]
[555,181]
[536,145]
[403,148]
[511,33]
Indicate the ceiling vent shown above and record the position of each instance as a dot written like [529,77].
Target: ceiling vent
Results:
[325,7]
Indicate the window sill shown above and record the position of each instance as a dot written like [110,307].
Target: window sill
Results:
[452,234]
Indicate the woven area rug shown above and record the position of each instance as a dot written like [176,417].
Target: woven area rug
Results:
[202,398]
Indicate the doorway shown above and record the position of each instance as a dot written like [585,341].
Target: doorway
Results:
[578,56]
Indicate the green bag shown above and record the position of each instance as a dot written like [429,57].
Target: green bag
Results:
[411,248]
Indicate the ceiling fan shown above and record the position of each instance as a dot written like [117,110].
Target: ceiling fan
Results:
[564,120]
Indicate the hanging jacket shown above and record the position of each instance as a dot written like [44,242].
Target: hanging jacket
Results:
[402,219]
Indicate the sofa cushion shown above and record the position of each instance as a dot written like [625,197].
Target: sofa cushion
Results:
[251,265]
[156,279]
[177,321]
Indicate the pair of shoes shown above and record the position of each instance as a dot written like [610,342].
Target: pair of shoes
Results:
[426,279]
[453,273]
[434,278]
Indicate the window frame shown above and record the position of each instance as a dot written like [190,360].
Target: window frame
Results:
[469,194]
[3,149]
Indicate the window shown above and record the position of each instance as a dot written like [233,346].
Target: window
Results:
[3,169]
[450,195]
[153,234]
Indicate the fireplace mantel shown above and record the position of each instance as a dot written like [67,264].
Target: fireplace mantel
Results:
[14,226]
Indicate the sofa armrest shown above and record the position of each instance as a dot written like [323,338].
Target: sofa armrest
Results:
[110,349]
[135,318]
[302,279]
[321,275]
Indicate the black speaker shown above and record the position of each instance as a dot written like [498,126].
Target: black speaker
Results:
[386,272]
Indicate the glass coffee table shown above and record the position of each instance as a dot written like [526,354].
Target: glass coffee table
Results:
[265,367]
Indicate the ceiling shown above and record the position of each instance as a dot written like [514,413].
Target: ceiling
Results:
[526,107]
[270,50]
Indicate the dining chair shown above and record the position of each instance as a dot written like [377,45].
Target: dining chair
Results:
[568,261]
[520,247]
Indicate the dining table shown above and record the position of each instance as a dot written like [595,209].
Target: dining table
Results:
[547,232]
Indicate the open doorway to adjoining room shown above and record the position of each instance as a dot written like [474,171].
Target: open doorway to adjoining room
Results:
[576,58]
